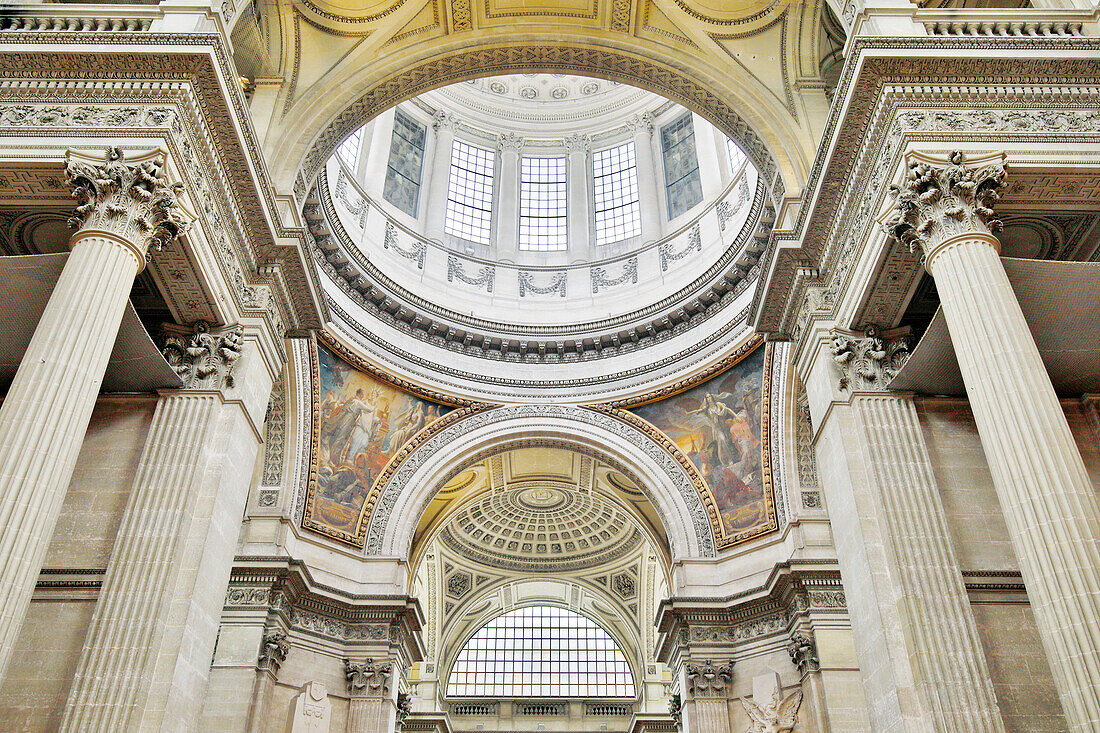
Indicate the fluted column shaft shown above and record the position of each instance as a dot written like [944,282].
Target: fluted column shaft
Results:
[147,653]
[1049,503]
[506,232]
[46,412]
[438,185]
[368,715]
[948,666]
[648,176]
[707,715]
[1045,493]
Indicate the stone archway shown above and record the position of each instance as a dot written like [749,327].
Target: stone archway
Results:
[414,480]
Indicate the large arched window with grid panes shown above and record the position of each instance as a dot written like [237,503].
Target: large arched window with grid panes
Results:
[541,651]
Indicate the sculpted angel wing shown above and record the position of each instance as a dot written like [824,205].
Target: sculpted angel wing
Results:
[756,715]
[787,714]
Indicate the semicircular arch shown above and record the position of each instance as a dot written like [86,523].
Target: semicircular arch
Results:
[409,487]
[355,91]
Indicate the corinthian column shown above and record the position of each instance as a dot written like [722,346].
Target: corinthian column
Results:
[147,653]
[369,694]
[577,208]
[707,708]
[124,208]
[506,236]
[1050,506]
[641,125]
[444,127]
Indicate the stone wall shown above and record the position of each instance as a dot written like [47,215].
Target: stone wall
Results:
[49,644]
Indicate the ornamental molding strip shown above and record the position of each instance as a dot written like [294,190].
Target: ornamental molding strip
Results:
[891,102]
[867,363]
[203,357]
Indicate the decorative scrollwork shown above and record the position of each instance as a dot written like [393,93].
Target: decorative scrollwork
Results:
[695,242]
[527,285]
[485,276]
[600,279]
[416,253]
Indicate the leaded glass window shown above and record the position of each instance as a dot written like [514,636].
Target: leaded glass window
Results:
[470,193]
[402,186]
[737,156]
[349,149]
[683,186]
[615,185]
[542,204]
[541,651]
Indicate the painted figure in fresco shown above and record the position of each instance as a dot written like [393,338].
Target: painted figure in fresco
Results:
[342,424]
[717,412]
[411,422]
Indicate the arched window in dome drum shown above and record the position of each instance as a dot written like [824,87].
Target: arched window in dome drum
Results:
[541,651]
[543,225]
[683,186]
[615,184]
[402,187]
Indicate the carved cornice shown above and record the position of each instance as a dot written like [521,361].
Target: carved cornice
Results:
[895,97]
[220,154]
[939,200]
[132,201]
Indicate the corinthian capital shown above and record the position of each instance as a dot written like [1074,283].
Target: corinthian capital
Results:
[867,363]
[577,143]
[369,679]
[510,141]
[203,357]
[941,199]
[132,201]
[709,680]
[641,123]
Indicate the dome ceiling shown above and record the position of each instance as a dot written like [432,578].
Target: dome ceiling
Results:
[541,527]
[489,322]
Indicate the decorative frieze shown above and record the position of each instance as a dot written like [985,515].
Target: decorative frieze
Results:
[867,363]
[368,679]
[205,357]
[937,202]
[708,680]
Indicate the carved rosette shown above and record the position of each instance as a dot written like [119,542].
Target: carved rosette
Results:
[203,357]
[131,201]
[273,651]
[709,680]
[940,200]
[867,363]
[368,679]
[803,653]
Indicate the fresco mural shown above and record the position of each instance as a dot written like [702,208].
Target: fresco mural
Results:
[359,424]
[722,426]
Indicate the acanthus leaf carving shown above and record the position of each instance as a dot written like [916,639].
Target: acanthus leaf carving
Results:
[709,680]
[132,201]
[803,651]
[935,203]
[368,679]
[203,357]
[867,363]
[273,651]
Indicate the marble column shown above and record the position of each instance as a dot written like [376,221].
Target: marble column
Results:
[444,127]
[641,125]
[1050,506]
[147,653]
[920,655]
[706,709]
[370,699]
[124,208]
[581,241]
[506,234]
